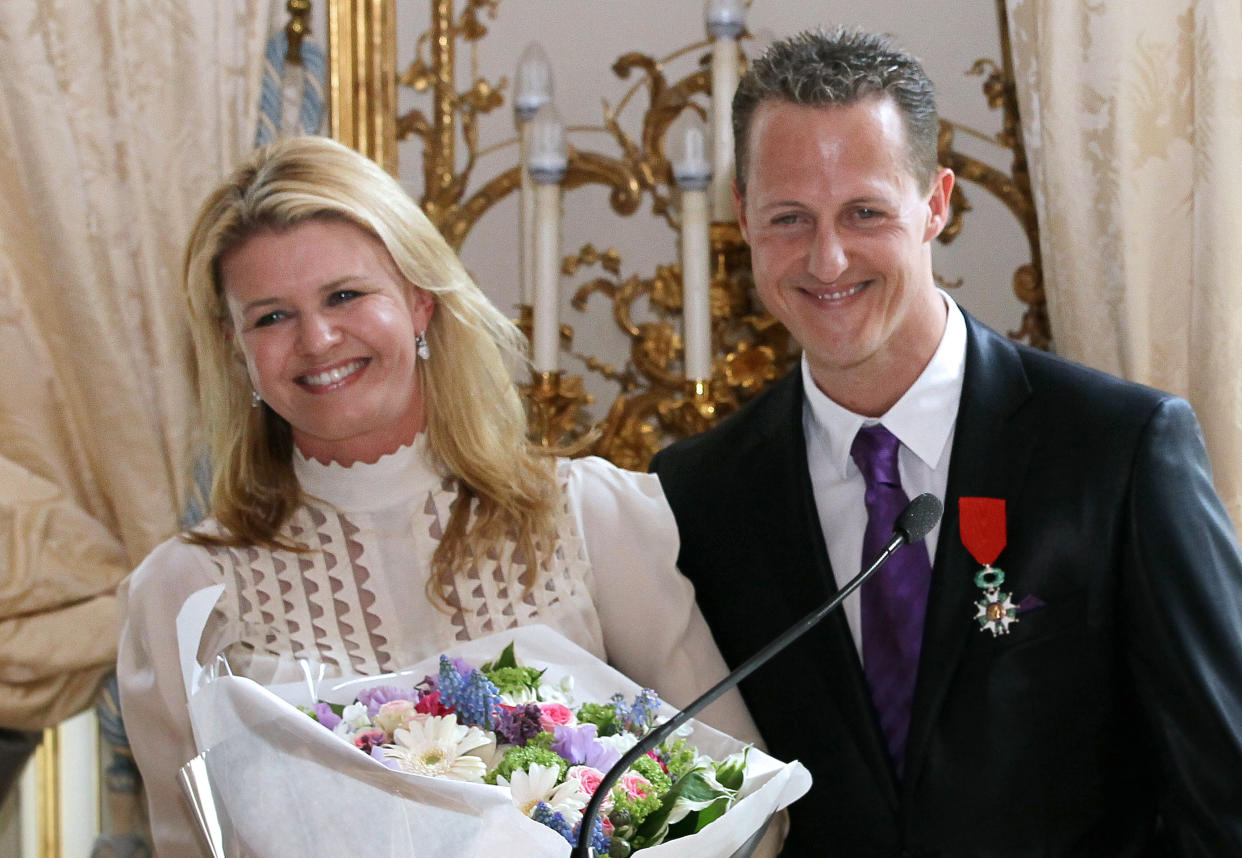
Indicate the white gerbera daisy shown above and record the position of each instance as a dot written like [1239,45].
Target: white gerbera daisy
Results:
[537,783]
[440,748]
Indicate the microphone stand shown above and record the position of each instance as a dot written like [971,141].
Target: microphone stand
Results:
[919,516]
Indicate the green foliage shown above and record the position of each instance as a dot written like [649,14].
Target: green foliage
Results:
[512,680]
[510,677]
[602,715]
[731,771]
[541,740]
[521,758]
[694,800]
[507,658]
[652,771]
[637,808]
[679,757]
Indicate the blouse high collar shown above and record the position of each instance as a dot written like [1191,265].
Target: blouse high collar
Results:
[362,487]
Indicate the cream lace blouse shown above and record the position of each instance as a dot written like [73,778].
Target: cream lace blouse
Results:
[359,601]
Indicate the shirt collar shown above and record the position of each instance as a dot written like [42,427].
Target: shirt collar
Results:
[922,419]
[361,487]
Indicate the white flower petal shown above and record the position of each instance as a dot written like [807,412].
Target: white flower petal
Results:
[438,747]
[531,785]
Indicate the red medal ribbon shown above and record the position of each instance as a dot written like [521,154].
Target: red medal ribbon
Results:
[982,524]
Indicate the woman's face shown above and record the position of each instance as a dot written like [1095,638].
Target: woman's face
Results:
[327,327]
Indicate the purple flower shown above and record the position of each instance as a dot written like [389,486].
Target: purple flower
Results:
[377,753]
[518,724]
[374,698]
[325,716]
[579,746]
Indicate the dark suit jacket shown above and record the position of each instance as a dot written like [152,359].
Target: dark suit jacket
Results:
[1108,722]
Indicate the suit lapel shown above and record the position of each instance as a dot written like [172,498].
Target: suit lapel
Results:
[990,458]
[780,471]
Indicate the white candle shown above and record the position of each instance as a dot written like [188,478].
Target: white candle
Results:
[696,285]
[725,21]
[548,163]
[546,325]
[526,218]
[532,90]
[686,145]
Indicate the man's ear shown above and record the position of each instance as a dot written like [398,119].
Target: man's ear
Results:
[938,203]
[739,210]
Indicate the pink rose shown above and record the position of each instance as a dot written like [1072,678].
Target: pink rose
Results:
[587,780]
[555,715]
[635,785]
[586,777]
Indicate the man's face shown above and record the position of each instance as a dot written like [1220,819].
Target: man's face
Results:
[840,232]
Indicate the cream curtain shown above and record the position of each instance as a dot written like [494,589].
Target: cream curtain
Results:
[1132,117]
[116,118]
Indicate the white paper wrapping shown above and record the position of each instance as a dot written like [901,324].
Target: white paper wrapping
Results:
[283,785]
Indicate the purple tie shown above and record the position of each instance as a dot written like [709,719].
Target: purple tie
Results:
[894,601]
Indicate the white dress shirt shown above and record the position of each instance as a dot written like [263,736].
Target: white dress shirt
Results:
[923,420]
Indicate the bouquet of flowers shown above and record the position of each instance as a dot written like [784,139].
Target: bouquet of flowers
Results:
[500,723]
[472,753]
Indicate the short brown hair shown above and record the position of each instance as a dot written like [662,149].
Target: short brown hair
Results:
[840,67]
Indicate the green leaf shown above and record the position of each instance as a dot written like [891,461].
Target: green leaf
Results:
[693,793]
[731,771]
[697,820]
[507,659]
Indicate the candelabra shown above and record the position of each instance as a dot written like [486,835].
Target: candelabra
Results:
[700,345]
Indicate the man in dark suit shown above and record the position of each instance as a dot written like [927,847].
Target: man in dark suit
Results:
[1059,671]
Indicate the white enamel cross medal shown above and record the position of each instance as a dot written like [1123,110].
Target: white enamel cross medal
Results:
[996,610]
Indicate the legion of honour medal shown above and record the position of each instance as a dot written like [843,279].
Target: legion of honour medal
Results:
[982,525]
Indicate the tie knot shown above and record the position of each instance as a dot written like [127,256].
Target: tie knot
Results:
[875,453]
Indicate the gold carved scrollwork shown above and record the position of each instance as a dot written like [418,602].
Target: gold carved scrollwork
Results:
[654,402]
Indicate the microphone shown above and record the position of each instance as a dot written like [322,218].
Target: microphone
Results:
[915,521]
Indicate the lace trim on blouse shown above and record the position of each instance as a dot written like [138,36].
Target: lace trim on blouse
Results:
[323,603]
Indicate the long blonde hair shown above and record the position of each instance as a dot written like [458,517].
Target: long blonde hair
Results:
[475,423]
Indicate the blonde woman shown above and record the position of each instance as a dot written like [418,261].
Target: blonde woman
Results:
[374,497]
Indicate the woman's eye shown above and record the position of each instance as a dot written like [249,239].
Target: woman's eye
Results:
[269,319]
[340,296]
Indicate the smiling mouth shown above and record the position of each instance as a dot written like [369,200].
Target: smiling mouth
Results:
[844,293]
[332,376]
